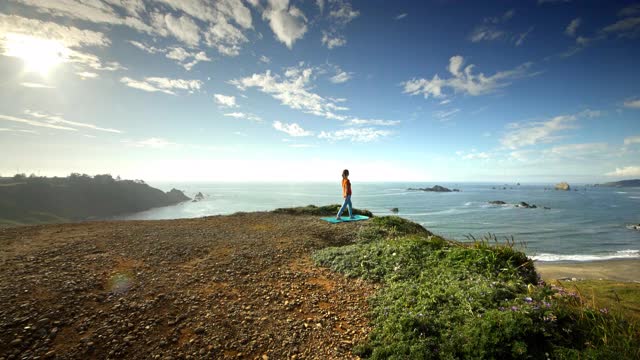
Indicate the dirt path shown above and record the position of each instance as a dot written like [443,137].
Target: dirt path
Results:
[239,286]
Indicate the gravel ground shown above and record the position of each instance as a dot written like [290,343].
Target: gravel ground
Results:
[225,287]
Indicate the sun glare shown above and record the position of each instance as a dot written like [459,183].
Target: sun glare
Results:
[39,55]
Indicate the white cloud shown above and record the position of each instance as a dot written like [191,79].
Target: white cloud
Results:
[445,115]
[627,171]
[532,133]
[287,22]
[186,58]
[37,85]
[340,77]
[292,129]
[225,100]
[182,28]
[632,140]
[579,150]
[35,123]
[339,16]
[293,91]
[520,38]
[31,39]
[333,40]
[87,75]
[302,146]
[485,33]
[465,82]
[162,84]
[572,27]
[633,103]
[90,10]
[155,143]
[630,10]
[241,115]
[355,134]
[376,122]
[343,12]
[265,59]
[18,130]
[474,155]
[225,37]
[401,16]
[58,119]
[628,27]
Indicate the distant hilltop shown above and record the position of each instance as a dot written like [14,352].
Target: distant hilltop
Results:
[33,199]
[623,183]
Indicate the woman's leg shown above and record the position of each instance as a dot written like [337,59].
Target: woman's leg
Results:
[350,207]
[344,204]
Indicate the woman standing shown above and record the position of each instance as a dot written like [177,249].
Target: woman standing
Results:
[346,194]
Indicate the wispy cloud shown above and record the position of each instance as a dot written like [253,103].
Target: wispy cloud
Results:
[185,58]
[400,16]
[340,77]
[573,27]
[292,129]
[225,100]
[355,134]
[241,115]
[627,171]
[35,123]
[464,81]
[632,103]
[340,14]
[37,85]
[154,143]
[490,29]
[58,119]
[632,140]
[445,115]
[375,122]
[163,84]
[532,133]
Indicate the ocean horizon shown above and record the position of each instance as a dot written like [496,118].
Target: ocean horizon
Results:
[587,223]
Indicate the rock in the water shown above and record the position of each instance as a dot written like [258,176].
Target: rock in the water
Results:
[563,186]
[523,204]
[436,188]
[634,227]
[497,202]
[394,210]
[198,197]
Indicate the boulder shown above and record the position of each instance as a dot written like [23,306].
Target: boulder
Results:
[563,186]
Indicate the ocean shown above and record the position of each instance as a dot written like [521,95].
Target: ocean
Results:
[584,225]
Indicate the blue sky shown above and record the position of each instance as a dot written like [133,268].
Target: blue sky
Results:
[257,90]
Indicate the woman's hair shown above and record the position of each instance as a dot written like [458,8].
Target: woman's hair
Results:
[345,172]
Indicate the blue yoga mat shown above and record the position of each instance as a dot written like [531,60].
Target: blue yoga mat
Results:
[333,220]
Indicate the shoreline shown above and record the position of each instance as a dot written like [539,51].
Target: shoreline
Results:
[626,270]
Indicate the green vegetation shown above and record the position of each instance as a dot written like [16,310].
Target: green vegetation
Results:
[327,210]
[622,298]
[446,300]
[36,200]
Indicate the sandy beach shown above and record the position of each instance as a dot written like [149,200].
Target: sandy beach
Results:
[618,270]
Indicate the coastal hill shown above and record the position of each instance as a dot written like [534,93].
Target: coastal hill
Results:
[33,199]
[284,285]
[623,183]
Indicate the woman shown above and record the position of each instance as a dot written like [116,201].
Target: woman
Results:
[346,194]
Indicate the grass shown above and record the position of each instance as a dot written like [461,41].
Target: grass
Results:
[619,297]
[327,210]
[447,300]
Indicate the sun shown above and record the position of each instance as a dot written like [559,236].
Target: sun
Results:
[39,55]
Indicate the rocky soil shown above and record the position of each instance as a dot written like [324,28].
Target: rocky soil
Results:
[223,287]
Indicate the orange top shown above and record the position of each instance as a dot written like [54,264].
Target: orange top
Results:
[346,187]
